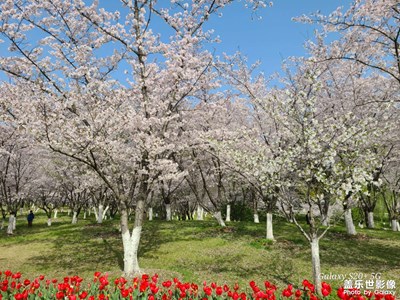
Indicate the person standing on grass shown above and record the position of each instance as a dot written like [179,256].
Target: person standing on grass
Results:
[30,218]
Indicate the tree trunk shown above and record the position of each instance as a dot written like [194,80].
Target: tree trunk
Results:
[150,214]
[168,210]
[398,226]
[131,241]
[200,213]
[49,222]
[394,224]
[55,213]
[348,218]
[325,219]
[14,223]
[371,223]
[10,227]
[316,264]
[256,218]
[75,218]
[100,215]
[228,213]
[84,215]
[218,217]
[270,231]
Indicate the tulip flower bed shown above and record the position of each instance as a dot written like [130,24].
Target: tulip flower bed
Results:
[14,286]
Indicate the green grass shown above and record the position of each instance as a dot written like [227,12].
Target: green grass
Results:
[197,251]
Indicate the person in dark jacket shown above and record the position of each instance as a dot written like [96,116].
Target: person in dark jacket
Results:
[30,218]
[308,218]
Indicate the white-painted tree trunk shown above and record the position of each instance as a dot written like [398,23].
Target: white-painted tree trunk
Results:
[69,212]
[228,213]
[316,264]
[74,218]
[325,217]
[168,210]
[394,225]
[131,246]
[218,217]
[256,218]
[200,213]
[106,211]
[96,215]
[84,215]
[150,214]
[325,220]
[49,222]
[371,223]
[270,231]
[100,215]
[2,223]
[55,213]
[14,223]
[21,211]
[398,226]
[348,218]
[10,227]
[131,241]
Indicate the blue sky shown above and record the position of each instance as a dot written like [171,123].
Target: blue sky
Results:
[274,37]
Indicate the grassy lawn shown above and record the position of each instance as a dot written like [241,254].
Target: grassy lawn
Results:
[197,251]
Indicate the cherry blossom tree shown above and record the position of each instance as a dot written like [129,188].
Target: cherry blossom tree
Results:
[369,38]
[17,172]
[309,148]
[391,191]
[64,58]
[369,35]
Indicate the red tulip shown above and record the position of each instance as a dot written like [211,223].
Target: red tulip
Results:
[313,297]
[219,290]
[207,290]
[154,278]
[18,296]
[325,292]
[124,293]
[83,295]
[287,293]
